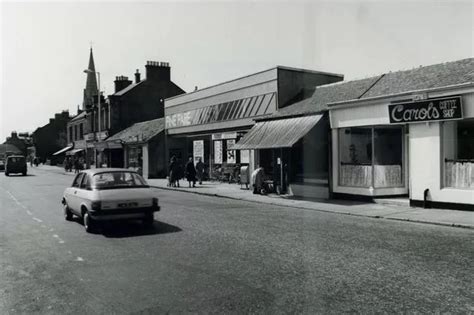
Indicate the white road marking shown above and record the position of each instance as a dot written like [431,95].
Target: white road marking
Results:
[38,220]
[29,212]
[79,259]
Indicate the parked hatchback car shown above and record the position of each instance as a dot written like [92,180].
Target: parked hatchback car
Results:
[109,194]
[15,164]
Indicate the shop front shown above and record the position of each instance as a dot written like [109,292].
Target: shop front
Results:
[207,123]
[419,145]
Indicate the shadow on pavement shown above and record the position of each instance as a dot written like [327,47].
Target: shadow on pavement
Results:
[121,229]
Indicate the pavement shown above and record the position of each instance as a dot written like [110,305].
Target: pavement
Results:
[445,217]
[208,255]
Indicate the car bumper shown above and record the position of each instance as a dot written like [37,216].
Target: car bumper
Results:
[117,214]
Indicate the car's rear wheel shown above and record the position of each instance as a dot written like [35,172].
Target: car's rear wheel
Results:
[6,174]
[67,212]
[89,223]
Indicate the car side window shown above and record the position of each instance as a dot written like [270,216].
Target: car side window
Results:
[77,180]
[86,182]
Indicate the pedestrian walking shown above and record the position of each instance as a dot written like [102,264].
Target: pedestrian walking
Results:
[191,172]
[200,170]
[76,165]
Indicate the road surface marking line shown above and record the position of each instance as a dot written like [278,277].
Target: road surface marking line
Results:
[79,259]
[29,212]
[38,220]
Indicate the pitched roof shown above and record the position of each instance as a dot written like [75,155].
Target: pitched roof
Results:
[140,132]
[330,93]
[392,83]
[128,88]
[79,116]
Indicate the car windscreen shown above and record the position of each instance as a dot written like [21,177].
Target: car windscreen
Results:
[16,159]
[117,179]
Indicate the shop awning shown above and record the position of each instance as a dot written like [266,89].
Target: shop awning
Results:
[280,133]
[72,152]
[63,150]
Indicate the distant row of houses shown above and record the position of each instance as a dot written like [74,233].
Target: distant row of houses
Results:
[406,134]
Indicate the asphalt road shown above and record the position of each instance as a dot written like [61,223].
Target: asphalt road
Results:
[214,255]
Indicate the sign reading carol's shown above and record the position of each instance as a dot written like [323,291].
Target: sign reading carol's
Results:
[429,110]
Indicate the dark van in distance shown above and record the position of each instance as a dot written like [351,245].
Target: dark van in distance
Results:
[15,164]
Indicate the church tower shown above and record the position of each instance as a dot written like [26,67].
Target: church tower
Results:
[90,92]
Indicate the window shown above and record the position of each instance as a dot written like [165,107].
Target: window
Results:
[371,157]
[458,148]
[115,180]
[70,134]
[81,132]
[355,149]
[86,182]
[75,133]
[77,180]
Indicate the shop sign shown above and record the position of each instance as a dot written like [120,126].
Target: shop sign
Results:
[429,110]
[230,153]
[218,152]
[198,150]
[228,135]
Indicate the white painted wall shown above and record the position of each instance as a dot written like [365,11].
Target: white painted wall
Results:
[426,165]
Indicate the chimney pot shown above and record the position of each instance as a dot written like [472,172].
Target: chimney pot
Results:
[137,76]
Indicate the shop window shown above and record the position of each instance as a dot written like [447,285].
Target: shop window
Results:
[371,157]
[355,147]
[388,157]
[458,147]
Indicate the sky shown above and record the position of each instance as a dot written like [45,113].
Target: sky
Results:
[45,45]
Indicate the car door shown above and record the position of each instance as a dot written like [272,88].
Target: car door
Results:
[71,193]
[84,192]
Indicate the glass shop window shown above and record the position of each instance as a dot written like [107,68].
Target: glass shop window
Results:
[371,157]
[355,149]
[458,148]
[388,157]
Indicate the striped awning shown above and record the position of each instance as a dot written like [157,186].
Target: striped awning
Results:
[280,133]
[63,150]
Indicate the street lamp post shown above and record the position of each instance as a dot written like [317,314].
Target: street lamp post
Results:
[98,107]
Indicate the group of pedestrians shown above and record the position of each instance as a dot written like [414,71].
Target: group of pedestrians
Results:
[76,162]
[191,172]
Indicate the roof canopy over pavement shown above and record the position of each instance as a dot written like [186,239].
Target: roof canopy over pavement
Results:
[139,132]
[281,133]
[392,83]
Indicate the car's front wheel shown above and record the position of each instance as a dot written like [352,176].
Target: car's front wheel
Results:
[67,212]
[89,223]
[6,174]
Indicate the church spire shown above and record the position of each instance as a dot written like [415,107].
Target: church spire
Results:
[91,84]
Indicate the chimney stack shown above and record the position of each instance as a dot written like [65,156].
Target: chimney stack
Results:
[137,76]
[121,82]
[157,71]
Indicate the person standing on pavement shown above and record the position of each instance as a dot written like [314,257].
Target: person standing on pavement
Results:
[173,167]
[200,170]
[191,172]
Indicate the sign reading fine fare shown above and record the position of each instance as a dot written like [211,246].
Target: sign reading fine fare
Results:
[429,110]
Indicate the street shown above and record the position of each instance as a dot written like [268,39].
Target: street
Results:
[215,255]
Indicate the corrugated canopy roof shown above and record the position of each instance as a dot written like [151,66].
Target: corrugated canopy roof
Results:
[281,133]
[63,150]
[139,132]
